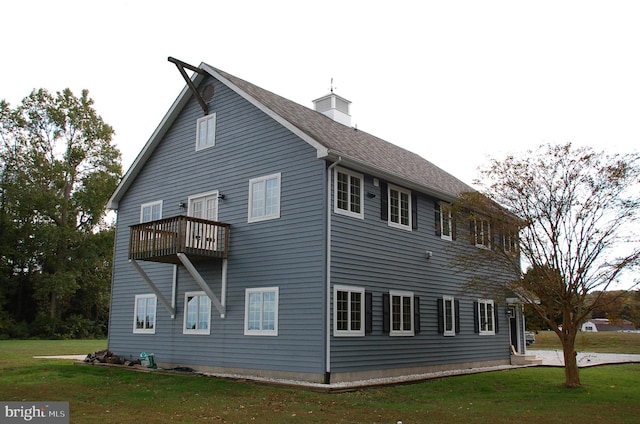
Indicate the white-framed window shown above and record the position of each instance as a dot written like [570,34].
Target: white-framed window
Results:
[151,211]
[510,242]
[449,315]
[261,311]
[348,311]
[197,313]
[206,132]
[486,317]
[446,222]
[482,233]
[401,313]
[264,198]
[399,207]
[348,193]
[144,315]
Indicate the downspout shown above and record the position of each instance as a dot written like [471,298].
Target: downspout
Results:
[327,369]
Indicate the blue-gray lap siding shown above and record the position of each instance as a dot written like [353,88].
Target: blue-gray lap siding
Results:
[288,253]
[370,254]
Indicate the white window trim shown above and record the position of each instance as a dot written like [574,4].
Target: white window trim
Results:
[265,178]
[135,314]
[247,331]
[205,118]
[389,221]
[349,332]
[149,205]
[485,237]
[200,331]
[401,332]
[348,212]
[451,299]
[446,208]
[491,317]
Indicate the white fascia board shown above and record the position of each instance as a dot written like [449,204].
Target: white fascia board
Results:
[321,150]
[152,143]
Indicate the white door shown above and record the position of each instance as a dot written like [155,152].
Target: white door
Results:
[203,235]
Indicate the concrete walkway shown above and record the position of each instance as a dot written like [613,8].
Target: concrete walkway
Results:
[554,358]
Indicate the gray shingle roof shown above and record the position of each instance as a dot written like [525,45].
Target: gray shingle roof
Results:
[359,146]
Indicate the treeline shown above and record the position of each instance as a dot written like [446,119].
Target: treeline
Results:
[615,305]
[58,168]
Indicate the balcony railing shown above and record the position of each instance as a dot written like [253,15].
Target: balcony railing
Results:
[162,240]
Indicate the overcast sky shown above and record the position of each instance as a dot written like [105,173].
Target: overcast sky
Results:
[454,81]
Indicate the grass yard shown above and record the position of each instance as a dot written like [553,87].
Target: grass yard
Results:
[114,395]
[602,342]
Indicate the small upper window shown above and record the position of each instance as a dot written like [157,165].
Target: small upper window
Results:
[482,233]
[206,132]
[264,198]
[348,190]
[399,207]
[445,221]
[151,211]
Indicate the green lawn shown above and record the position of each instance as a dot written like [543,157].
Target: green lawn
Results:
[602,342]
[115,395]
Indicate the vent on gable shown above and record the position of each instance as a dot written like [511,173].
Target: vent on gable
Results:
[208,92]
[335,107]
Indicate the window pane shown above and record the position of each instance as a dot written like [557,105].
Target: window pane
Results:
[395,313]
[406,313]
[255,300]
[203,313]
[489,317]
[140,313]
[269,311]
[192,313]
[211,122]
[202,133]
[342,305]
[355,194]
[343,191]
[448,315]
[272,197]
[356,309]
[404,207]
[151,313]
[394,205]
[257,199]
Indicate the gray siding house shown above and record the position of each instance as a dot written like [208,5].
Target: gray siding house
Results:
[259,237]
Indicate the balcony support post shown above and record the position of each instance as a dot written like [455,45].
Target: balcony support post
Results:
[203,284]
[155,288]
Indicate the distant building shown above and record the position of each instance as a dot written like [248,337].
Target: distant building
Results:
[603,324]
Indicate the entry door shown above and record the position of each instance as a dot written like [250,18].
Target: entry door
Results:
[513,328]
[201,235]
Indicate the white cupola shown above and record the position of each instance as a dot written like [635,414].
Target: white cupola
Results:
[335,107]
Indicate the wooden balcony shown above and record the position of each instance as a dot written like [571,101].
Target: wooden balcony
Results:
[162,240]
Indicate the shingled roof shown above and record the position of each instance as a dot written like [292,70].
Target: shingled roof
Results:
[359,147]
[333,141]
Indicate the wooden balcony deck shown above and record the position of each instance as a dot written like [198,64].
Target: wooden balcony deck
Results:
[162,240]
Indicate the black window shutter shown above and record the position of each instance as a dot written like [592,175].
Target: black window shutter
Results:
[386,314]
[457,309]
[496,316]
[414,211]
[440,316]
[436,209]
[476,321]
[368,312]
[472,229]
[454,229]
[416,315]
[384,201]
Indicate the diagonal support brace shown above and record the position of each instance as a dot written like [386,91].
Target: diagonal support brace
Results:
[181,65]
[155,288]
[203,284]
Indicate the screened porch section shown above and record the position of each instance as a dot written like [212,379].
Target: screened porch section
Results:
[162,240]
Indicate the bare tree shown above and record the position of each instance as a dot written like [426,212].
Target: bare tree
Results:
[575,214]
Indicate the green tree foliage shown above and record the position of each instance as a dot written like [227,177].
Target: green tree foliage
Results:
[59,168]
[576,214]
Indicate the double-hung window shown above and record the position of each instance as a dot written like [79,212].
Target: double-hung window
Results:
[197,313]
[446,222]
[144,320]
[449,315]
[264,198]
[482,233]
[151,211]
[399,207]
[261,312]
[401,313]
[349,311]
[486,317]
[206,132]
[348,193]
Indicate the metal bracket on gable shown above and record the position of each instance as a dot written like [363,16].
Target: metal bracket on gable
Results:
[181,65]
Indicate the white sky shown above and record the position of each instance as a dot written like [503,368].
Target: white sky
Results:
[454,81]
